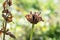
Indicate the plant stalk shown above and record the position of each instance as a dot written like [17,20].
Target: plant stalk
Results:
[4,30]
[32,30]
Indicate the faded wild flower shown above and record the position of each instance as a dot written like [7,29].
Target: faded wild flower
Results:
[34,18]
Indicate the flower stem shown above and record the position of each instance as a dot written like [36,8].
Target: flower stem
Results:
[4,30]
[31,34]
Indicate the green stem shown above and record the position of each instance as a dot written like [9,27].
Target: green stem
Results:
[4,30]
[32,30]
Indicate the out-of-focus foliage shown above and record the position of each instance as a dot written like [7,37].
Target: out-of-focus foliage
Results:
[20,27]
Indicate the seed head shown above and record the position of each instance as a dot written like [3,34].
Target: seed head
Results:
[34,18]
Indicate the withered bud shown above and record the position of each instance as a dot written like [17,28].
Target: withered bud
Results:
[10,2]
[10,34]
[34,18]
[4,4]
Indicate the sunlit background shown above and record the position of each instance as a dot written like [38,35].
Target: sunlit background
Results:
[20,27]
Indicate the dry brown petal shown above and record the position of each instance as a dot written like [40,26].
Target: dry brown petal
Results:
[40,19]
[30,12]
[29,17]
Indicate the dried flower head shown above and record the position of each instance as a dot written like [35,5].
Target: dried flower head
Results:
[7,16]
[34,18]
[5,11]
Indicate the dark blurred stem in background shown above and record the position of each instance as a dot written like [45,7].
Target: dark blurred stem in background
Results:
[4,30]
[31,33]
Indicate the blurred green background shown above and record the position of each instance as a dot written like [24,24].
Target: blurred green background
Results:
[20,27]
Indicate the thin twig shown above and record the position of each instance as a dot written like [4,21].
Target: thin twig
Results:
[4,30]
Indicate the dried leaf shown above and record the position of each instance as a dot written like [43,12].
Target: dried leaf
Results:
[10,34]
